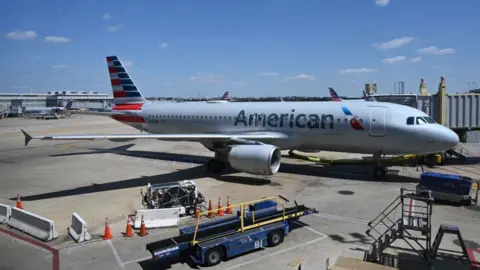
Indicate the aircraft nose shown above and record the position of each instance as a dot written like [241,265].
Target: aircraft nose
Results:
[441,138]
[446,138]
[450,138]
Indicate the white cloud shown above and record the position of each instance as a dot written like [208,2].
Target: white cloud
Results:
[382,3]
[60,66]
[202,77]
[269,74]
[300,77]
[106,16]
[21,35]
[416,59]
[54,39]
[164,45]
[393,60]
[114,28]
[436,51]
[392,44]
[127,63]
[357,70]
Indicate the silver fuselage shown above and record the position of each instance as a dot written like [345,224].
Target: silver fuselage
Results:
[309,125]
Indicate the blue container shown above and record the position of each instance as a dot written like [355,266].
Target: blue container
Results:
[446,183]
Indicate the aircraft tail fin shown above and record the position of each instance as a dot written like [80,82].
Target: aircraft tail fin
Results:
[69,105]
[334,95]
[226,96]
[124,90]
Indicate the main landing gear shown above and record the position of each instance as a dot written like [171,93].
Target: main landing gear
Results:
[217,164]
[379,170]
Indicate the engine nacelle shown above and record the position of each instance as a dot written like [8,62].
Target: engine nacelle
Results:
[255,159]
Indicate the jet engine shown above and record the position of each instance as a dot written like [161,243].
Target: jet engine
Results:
[261,159]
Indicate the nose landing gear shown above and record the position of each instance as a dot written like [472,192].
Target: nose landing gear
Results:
[379,170]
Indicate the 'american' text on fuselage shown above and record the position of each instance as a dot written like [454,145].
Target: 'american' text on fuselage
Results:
[285,120]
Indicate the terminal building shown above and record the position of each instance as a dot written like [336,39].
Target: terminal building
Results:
[82,99]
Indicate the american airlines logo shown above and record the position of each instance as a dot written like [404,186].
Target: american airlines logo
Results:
[292,120]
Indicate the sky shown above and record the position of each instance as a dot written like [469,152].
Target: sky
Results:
[197,48]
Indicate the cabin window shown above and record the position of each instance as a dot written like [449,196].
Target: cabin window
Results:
[360,120]
[410,120]
[421,121]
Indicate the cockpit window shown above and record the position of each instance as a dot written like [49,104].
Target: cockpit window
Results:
[430,120]
[421,121]
[411,120]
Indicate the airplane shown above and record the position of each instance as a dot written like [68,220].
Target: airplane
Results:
[48,112]
[335,97]
[225,98]
[249,136]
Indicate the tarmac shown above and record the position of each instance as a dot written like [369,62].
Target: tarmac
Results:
[99,179]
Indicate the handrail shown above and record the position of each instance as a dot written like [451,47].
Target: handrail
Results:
[242,214]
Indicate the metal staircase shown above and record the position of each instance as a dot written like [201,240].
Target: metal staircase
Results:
[449,229]
[414,226]
[459,151]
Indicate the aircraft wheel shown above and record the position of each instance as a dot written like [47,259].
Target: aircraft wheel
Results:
[380,173]
[215,165]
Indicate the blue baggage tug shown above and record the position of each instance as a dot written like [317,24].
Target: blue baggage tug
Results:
[258,224]
[449,187]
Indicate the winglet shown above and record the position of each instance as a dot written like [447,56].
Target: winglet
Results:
[28,138]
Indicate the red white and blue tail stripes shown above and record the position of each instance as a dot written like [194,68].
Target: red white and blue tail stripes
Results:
[226,96]
[353,120]
[334,95]
[124,90]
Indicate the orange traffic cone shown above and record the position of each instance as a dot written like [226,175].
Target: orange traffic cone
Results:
[19,203]
[229,207]
[143,229]
[128,230]
[210,210]
[220,212]
[108,234]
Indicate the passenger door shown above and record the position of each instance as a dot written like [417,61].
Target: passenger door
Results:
[377,121]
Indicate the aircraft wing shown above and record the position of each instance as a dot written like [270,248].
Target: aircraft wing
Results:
[253,136]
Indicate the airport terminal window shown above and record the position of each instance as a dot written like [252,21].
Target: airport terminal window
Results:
[410,120]
[421,121]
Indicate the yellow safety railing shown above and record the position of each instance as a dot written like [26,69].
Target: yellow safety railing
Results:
[243,215]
